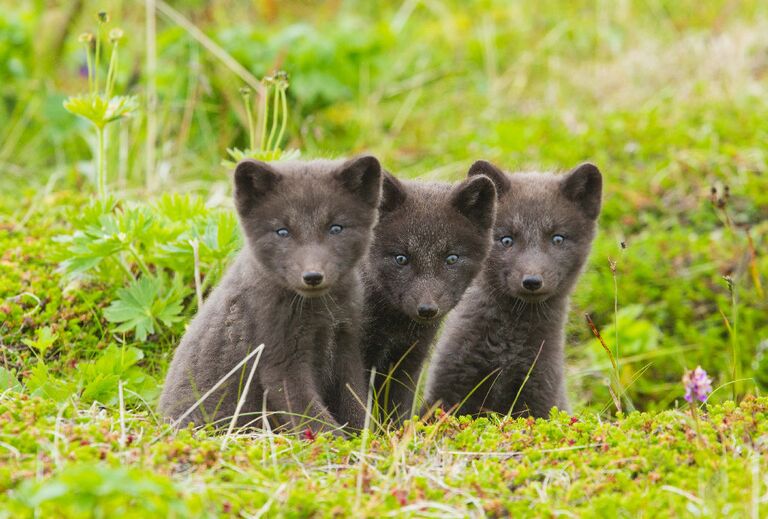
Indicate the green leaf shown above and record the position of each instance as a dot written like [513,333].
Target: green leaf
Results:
[133,308]
[102,388]
[100,379]
[99,110]
[44,339]
[41,383]
[8,381]
[144,304]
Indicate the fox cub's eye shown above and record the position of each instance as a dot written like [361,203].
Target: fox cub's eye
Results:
[558,239]
[401,259]
[283,233]
[451,259]
[507,241]
[336,229]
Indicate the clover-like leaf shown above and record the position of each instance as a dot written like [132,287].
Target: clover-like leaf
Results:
[144,304]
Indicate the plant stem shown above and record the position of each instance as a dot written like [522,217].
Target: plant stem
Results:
[735,346]
[89,64]
[111,72]
[695,414]
[151,93]
[284,118]
[97,59]
[264,99]
[101,162]
[195,244]
[121,262]
[525,380]
[251,129]
[139,261]
[273,122]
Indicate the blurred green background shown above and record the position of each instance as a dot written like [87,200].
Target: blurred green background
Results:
[668,97]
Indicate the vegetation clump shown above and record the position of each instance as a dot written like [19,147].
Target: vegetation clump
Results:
[100,275]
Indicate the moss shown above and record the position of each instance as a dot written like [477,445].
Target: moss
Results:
[643,464]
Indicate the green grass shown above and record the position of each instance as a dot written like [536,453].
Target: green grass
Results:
[641,465]
[669,98]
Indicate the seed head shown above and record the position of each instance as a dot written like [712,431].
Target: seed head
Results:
[115,35]
[245,91]
[729,281]
[86,37]
[103,17]
[697,384]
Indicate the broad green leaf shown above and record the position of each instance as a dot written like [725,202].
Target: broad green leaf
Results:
[44,339]
[41,383]
[144,304]
[8,381]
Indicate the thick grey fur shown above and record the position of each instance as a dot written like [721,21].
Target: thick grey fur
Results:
[492,338]
[311,363]
[427,222]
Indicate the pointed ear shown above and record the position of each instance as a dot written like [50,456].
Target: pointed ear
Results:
[475,198]
[362,177]
[392,193]
[499,178]
[253,180]
[583,185]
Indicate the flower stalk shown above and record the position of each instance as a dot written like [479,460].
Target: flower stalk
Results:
[698,386]
[271,122]
[97,107]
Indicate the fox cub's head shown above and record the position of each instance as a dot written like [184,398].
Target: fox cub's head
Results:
[544,229]
[308,223]
[430,243]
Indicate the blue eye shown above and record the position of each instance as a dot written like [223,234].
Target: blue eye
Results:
[283,233]
[558,239]
[336,229]
[401,259]
[507,241]
[451,259]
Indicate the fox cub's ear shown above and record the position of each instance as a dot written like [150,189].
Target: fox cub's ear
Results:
[392,193]
[583,185]
[475,198]
[253,180]
[499,178]
[362,177]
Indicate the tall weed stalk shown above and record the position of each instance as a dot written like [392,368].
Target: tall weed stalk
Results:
[99,106]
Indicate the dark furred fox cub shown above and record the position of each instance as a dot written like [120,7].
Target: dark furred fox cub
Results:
[429,244]
[543,234]
[295,288]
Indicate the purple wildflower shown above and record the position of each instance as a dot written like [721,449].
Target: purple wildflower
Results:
[697,384]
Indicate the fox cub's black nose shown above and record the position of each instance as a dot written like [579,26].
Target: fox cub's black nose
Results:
[532,283]
[312,278]
[427,311]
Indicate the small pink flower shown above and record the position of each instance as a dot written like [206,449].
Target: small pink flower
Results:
[308,435]
[697,384]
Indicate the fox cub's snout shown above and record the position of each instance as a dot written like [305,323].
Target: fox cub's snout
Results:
[307,235]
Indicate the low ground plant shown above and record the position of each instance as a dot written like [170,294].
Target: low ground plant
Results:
[96,291]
